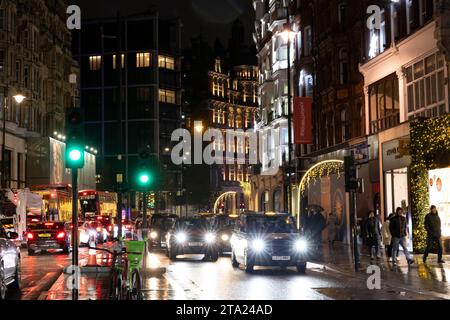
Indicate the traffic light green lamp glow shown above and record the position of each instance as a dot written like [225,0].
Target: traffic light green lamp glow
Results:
[74,157]
[144,179]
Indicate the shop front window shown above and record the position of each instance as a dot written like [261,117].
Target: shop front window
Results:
[396,182]
[439,188]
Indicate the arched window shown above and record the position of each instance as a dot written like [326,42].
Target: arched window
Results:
[277,200]
[231,118]
[344,124]
[343,66]
[263,201]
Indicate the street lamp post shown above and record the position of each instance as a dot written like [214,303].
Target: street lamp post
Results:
[19,99]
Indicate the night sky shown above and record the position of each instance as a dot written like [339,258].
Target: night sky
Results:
[211,18]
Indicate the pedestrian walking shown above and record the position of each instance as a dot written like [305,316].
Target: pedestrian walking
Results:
[399,232]
[332,225]
[433,227]
[387,237]
[373,235]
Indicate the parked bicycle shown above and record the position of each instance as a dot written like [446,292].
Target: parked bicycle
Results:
[125,276]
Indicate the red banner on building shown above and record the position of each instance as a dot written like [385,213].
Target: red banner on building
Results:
[303,120]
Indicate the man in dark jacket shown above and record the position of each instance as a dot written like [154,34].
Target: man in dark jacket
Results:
[433,227]
[399,231]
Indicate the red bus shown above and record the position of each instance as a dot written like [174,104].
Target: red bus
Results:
[97,203]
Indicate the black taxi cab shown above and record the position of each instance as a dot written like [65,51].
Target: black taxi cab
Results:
[192,235]
[224,225]
[160,224]
[268,239]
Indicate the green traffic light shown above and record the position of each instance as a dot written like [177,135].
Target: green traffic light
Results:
[144,178]
[75,155]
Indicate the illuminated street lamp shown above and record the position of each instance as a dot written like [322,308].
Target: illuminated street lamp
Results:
[199,127]
[19,98]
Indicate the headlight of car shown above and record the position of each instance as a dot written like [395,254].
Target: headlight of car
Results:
[225,237]
[181,237]
[258,245]
[301,245]
[153,235]
[210,237]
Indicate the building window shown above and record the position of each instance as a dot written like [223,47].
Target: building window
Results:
[231,119]
[377,38]
[344,125]
[122,61]
[232,172]
[2,60]
[384,110]
[26,77]
[167,96]
[342,13]
[425,87]
[95,63]
[343,66]
[2,19]
[166,62]
[308,41]
[277,200]
[143,60]
[18,71]
[217,66]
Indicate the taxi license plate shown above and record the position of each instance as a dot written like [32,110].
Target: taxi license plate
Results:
[281,258]
[44,235]
[195,244]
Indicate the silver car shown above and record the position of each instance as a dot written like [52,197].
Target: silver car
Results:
[9,262]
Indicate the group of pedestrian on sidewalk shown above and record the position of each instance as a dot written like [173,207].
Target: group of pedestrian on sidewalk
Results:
[393,234]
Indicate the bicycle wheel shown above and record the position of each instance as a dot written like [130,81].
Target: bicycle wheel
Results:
[113,285]
[135,292]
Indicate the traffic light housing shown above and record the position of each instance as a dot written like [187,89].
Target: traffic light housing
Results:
[351,176]
[74,154]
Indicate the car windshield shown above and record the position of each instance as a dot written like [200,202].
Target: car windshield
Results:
[265,224]
[225,221]
[193,224]
[160,222]
[47,225]
[7,221]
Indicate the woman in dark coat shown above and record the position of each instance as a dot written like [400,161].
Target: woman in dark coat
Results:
[373,234]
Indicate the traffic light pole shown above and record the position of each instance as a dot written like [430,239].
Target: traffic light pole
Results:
[75,231]
[354,219]
[144,215]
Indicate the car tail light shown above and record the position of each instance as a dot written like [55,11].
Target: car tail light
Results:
[61,235]
[49,224]
[99,218]
[30,236]
[34,220]
[98,229]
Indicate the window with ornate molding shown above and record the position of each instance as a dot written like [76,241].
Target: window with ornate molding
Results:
[231,119]
[426,87]
[384,109]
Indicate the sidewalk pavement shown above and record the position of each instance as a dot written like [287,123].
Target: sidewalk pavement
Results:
[428,279]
